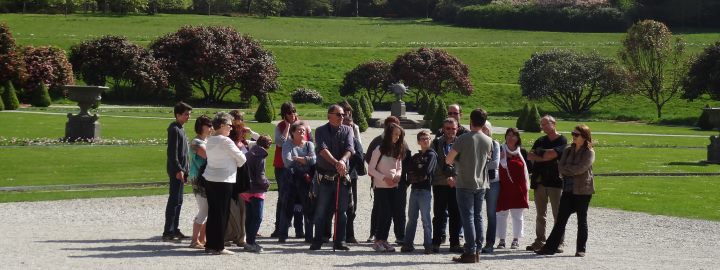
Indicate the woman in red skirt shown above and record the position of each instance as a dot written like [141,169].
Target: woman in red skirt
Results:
[514,183]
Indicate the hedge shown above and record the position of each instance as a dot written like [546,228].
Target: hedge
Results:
[532,17]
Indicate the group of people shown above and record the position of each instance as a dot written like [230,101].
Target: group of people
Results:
[453,174]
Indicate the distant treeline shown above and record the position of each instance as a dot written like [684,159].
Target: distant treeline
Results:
[554,15]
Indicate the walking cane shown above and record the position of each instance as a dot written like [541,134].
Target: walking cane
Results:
[337,210]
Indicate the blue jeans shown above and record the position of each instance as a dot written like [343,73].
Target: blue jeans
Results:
[327,194]
[419,202]
[470,206]
[173,206]
[253,218]
[491,198]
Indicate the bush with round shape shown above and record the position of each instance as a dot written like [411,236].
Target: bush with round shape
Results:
[305,95]
[358,115]
[264,112]
[439,117]
[9,96]
[532,122]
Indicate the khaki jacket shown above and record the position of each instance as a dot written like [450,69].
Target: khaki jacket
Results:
[577,165]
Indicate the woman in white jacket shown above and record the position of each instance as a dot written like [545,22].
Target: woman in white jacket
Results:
[223,159]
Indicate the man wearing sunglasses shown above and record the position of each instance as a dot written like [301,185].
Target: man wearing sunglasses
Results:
[545,178]
[455,112]
[334,146]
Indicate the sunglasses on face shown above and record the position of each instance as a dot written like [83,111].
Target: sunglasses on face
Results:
[575,134]
[338,114]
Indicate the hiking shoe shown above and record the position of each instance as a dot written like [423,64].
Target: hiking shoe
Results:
[579,254]
[514,244]
[466,258]
[378,247]
[501,245]
[535,246]
[255,248]
[487,250]
[388,247]
[407,248]
[179,235]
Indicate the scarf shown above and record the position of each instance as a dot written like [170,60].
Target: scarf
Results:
[503,162]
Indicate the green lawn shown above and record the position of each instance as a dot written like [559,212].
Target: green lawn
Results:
[316,52]
[692,197]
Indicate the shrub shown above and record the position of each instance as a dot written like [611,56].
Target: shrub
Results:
[264,113]
[423,104]
[439,116]
[573,82]
[358,115]
[9,62]
[520,123]
[703,77]
[216,60]
[46,66]
[372,76]
[430,113]
[9,97]
[2,103]
[41,97]
[434,71]
[366,106]
[303,95]
[539,17]
[133,72]
[704,120]
[532,122]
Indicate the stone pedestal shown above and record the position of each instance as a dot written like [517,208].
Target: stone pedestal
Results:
[398,109]
[713,154]
[83,126]
[713,150]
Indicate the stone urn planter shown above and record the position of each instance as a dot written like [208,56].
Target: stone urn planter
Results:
[83,126]
[713,154]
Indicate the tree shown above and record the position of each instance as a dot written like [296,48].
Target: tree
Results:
[573,82]
[373,77]
[654,61]
[9,97]
[126,65]
[423,104]
[46,67]
[216,60]
[703,76]
[268,7]
[264,113]
[432,70]
[439,117]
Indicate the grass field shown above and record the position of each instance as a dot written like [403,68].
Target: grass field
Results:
[316,52]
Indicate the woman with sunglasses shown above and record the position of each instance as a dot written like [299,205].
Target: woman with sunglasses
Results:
[299,158]
[198,160]
[575,166]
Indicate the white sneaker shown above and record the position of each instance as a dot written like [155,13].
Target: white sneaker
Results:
[223,252]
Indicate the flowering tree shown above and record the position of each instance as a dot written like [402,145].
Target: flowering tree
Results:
[126,65]
[432,70]
[216,60]
[46,66]
[9,64]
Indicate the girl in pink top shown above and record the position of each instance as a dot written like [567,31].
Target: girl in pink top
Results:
[385,168]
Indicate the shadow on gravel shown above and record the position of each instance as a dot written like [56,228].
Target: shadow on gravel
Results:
[137,251]
[391,264]
[96,241]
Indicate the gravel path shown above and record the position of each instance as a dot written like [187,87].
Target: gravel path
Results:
[124,233]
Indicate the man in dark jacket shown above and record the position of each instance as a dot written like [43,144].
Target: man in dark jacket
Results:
[177,169]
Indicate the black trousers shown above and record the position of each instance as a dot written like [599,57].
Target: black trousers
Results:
[445,209]
[569,204]
[352,209]
[383,203]
[399,216]
[218,196]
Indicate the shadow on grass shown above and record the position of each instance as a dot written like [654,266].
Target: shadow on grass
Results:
[685,163]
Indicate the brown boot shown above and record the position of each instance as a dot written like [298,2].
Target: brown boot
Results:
[466,258]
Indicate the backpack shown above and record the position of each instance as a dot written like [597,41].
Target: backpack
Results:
[417,171]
